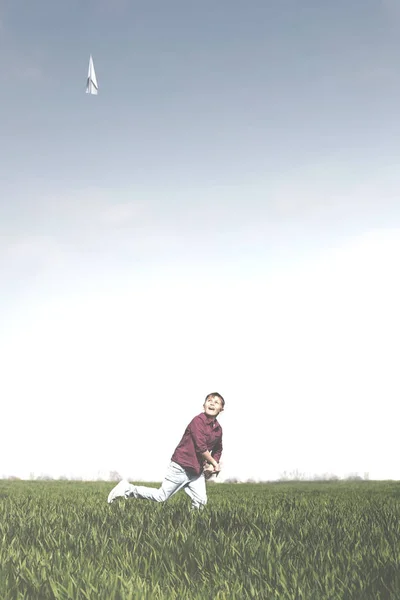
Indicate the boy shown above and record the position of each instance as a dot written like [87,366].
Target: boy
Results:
[196,458]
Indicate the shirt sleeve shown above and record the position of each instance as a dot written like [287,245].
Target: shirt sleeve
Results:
[198,433]
[217,451]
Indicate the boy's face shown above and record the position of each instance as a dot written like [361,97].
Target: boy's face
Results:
[213,406]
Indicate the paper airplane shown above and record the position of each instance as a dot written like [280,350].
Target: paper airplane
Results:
[91,84]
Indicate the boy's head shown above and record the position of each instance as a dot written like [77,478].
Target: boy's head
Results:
[213,404]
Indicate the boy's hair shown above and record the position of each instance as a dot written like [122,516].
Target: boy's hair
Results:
[215,395]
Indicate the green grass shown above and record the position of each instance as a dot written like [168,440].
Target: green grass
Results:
[336,541]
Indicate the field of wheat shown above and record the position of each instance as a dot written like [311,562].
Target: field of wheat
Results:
[308,541]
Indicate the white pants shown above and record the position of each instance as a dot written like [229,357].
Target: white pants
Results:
[175,479]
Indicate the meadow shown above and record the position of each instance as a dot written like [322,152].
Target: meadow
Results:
[278,541]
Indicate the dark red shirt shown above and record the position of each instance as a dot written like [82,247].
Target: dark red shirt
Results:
[200,435]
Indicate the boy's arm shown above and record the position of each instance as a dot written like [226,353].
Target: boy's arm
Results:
[217,451]
[211,459]
[199,438]
[216,455]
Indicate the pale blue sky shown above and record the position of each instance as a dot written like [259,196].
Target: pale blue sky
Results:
[231,143]
[205,111]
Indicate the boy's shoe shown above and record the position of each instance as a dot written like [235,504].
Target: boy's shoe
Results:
[121,490]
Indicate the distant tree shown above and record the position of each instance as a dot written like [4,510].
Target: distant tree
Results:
[231,480]
[114,476]
[354,477]
[325,477]
[13,478]
[295,475]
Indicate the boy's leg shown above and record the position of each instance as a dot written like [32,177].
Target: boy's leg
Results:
[196,490]
[175,479]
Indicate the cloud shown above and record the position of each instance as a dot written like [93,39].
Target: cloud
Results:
[122,213]
[326,193]
[130,226]
[30,249]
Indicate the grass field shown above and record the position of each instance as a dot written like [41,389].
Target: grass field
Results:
[336,541]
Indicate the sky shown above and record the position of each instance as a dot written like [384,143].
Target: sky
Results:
[223,216]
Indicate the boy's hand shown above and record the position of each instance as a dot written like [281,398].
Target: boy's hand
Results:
[208,470]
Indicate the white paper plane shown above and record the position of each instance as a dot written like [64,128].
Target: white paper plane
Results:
[91,84]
